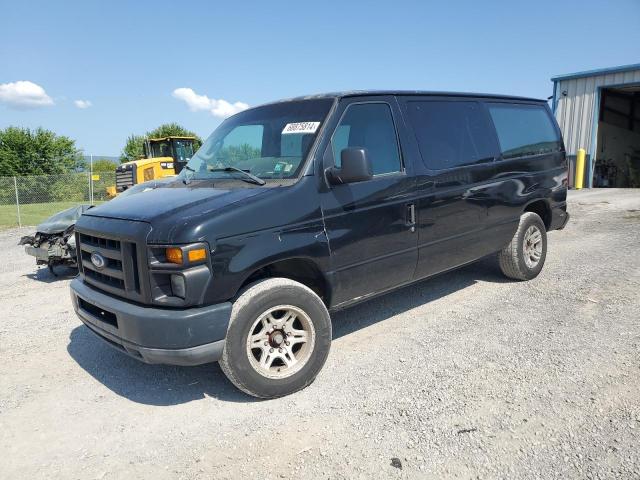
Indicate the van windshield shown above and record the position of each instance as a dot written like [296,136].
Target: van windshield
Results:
[270,142]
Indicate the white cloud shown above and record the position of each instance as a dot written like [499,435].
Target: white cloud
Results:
[218,108]
[82,103]
[24,94]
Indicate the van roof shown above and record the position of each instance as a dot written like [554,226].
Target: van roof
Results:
[358,93]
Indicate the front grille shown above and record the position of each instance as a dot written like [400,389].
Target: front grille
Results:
[105,279]
[119,274]
[124,179]
[100,242]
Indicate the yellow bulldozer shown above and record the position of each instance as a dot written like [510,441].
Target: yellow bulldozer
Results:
[163,157]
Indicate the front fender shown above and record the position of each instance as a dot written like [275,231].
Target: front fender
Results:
[235,259]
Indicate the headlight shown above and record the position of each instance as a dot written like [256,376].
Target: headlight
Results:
[179,274]
[174,255]
[189,255]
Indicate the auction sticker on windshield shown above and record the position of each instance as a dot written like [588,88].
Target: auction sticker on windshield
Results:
[300,127]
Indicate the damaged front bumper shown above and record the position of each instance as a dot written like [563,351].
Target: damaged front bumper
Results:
[41,254]
[54,241]
[51,249]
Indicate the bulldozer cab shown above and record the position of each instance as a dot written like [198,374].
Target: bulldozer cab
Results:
[178,149]
[163,157]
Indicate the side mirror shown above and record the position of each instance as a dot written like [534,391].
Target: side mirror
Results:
[355,167]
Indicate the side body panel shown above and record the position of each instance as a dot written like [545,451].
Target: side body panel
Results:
[520,182]
[373,244]
[452,206]
[468,212]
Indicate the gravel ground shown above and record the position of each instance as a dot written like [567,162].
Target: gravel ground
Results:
[466,375]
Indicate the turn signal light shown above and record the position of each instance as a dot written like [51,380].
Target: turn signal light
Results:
[197,254]
[174,255]
[185,255]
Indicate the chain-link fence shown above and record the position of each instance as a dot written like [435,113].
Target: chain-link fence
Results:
[30,200]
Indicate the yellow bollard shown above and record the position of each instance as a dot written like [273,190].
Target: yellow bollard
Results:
[580,168]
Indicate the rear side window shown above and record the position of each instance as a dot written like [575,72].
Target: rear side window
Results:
[452,134]
[369,126]
[523,129]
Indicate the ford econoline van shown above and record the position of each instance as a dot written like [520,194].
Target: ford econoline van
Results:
[298,208]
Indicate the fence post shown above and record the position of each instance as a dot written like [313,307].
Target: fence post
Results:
[91,180]
[15,185]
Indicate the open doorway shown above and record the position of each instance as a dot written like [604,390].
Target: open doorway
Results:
[618,148]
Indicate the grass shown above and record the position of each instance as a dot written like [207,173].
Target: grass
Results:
[32,213]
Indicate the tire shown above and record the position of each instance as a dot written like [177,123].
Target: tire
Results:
[266,352]
[522,258]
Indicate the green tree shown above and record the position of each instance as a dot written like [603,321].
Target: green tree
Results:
[36,152]
[237,153]
[103,165]
[133,149]
[173,130]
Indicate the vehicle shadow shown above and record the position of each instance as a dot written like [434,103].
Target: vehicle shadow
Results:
[169,385]
[159,385]
[42,274]
[398,301]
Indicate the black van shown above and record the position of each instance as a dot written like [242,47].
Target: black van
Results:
[297,208]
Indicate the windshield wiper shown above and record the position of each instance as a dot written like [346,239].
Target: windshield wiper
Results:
[248,177]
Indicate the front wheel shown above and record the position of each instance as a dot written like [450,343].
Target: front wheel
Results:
[523,258]
[278,338]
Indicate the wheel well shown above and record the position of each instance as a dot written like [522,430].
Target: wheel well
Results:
[298,269]
[541,207]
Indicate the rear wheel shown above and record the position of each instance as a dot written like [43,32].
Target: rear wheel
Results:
[278,338]
[523,258]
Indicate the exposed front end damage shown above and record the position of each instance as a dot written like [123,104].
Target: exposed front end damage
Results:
[54,242]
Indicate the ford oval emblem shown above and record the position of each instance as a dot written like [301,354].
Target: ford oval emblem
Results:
[98,260]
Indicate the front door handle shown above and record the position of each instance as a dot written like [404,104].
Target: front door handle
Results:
[411,217]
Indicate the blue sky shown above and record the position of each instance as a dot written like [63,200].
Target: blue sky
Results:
[128,59]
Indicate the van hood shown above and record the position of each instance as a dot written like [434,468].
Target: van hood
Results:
[165,201]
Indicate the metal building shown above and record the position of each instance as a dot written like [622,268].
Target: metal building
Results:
[599,111]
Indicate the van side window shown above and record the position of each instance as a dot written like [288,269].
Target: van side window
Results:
[370,126]
[452,134]
[524,129]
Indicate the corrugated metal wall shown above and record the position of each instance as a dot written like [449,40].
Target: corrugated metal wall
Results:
[575,112]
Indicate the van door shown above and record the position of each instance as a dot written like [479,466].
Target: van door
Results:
[369,224]
[457,146]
